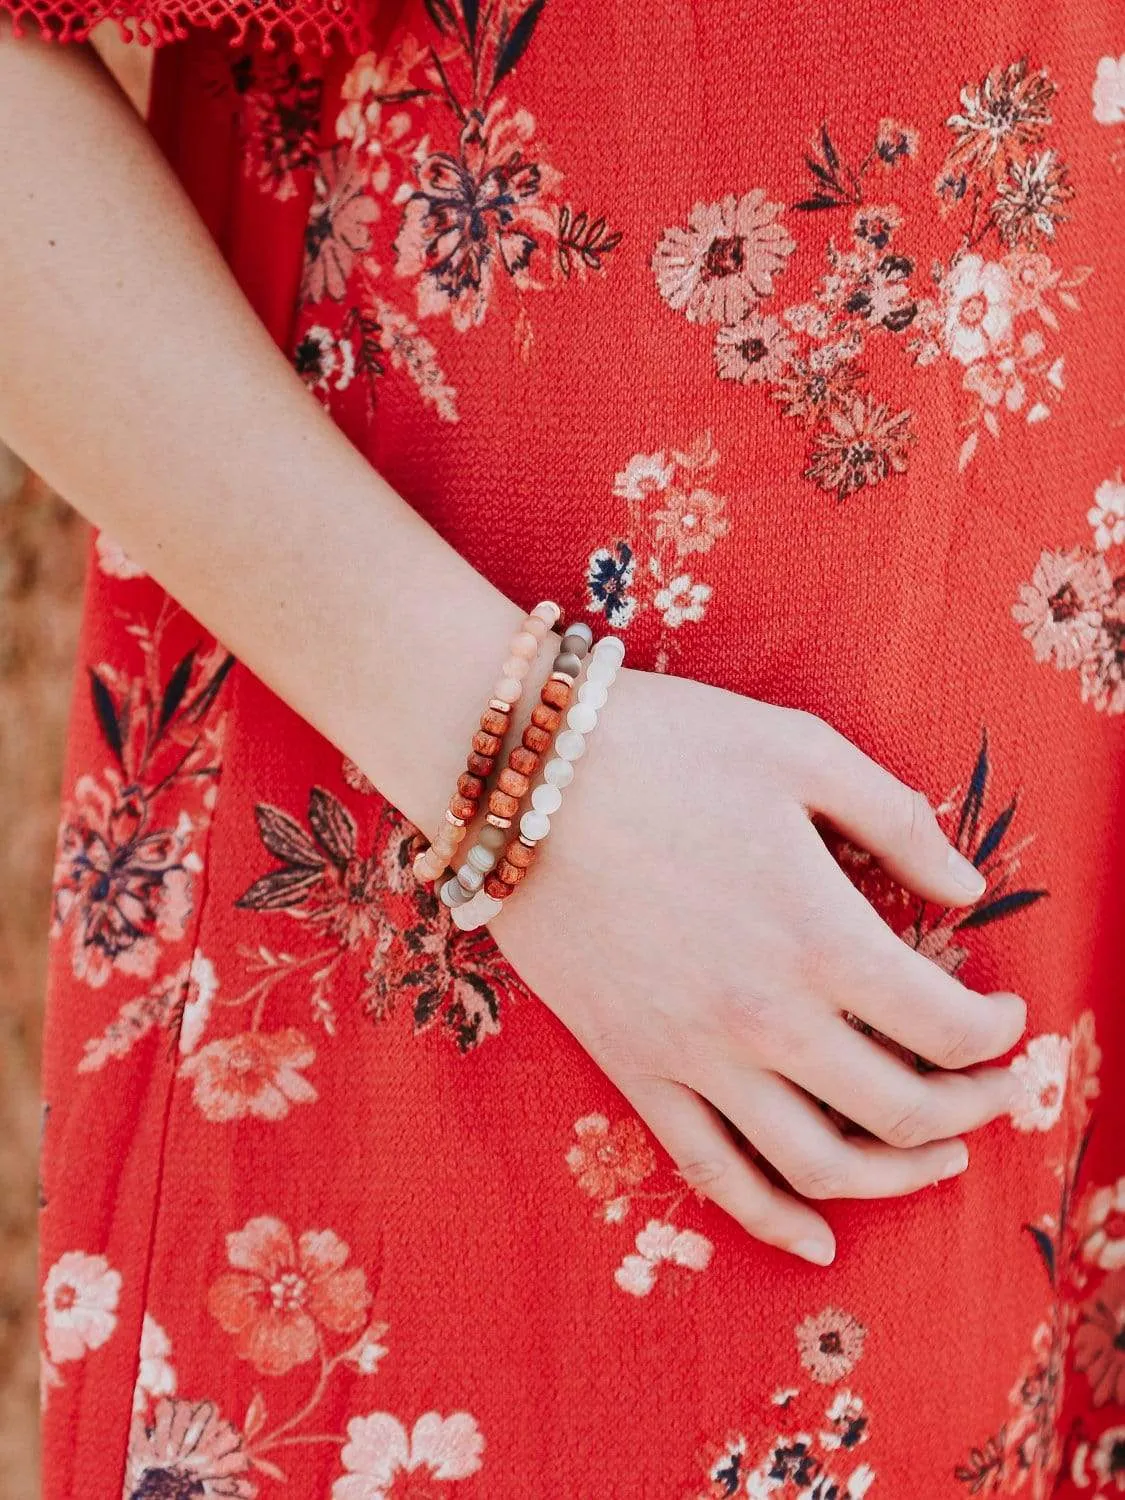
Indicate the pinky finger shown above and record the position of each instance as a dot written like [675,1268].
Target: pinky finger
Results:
[710,1161]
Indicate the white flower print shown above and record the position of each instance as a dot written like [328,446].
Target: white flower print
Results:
[978,308]
[658,1243]
[155,1373]
[682,600]
[643,473]
[1061,608]
[1107,514]
[379,1449]
[202,983]
[80,1296]
[1109,91]
[113,561]
[1103,1242]
[1042,1069]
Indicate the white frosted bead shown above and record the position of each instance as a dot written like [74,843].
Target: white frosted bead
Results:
[470,878]
[583,630]
[558,772]
[570,745]
[488,907]
[583,718]
[593,693]
[453,893]
[547,798]
[611,648]
[535,826]
[601,671]
[465,916]
[481,859]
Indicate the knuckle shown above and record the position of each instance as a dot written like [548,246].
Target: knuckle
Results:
[748,1016]
[821,1178]
[918,816]
[910,1126]
[958,1047]
[705,1174]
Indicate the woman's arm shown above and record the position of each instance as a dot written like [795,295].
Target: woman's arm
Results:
[687,923]
[219,475]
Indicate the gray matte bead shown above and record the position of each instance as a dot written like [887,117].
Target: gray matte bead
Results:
[567,662]
[576,644]
[492,838]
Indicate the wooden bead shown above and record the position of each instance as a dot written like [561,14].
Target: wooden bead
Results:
[486,743]
[480,765]
[503,804]
[519,855]
[536,739]
[525,761]
[462,807]
[513,783]
[470,786]
[557,694]
[496,888]
[509,873]
[545,717]
[492,721]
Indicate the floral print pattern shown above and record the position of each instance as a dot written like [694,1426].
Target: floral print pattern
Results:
[990,306]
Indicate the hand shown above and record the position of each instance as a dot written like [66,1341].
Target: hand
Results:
[687,923]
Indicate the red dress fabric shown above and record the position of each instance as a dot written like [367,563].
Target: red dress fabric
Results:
[785,341]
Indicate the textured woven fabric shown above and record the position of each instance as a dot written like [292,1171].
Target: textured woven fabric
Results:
[786,341]
[316,25]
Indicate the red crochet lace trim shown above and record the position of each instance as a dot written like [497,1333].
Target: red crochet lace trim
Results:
[315,25]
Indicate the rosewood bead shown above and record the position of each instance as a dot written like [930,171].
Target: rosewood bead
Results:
[543,716]
[509,873]
[488,742]
[480,765]
[519,855]
[525,761]
[557,694]
[512,782]
[503,804]
[496,888]
[462,807]
[537,739]
[470,786]
[492,721]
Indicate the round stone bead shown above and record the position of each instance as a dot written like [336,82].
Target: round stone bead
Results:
[546,799]
[583,718]
[567,662]
[508,690]
[470,878]
[593,693]
[612,648]
[535,825]
[453,893]
[536,628]
[525,645]
[515,666]
[570,745]
[480,858]
[580,631]
[488,907]
[547,611]
[558,772]
[601,671]
[466,916]
[492,838]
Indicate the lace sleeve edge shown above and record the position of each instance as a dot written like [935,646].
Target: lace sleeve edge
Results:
[314,25]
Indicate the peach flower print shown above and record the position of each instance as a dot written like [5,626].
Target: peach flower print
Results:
[607,1158]
[692,520]
[830,1344]
[725,260]
[1042,1068]
[1099,1343]
[80,1295]
[659,1243]
[189,1450]
[1103,1234]
[255,1073]
[383,1460]
[280,1293]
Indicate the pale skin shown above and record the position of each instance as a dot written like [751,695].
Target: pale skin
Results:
[686,921]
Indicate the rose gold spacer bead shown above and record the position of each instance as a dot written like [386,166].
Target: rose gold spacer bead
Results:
[563,677]
[497,821]
[498,706]
[451,818]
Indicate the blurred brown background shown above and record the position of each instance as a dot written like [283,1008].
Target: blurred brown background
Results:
[42,556]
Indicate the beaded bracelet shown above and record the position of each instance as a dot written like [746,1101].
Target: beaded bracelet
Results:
[495,722]
[535,824]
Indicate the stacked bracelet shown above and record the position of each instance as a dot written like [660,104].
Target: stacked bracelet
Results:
[471,911]
[513,783]
[495,722]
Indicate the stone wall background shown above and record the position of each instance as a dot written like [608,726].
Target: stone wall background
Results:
[42,555]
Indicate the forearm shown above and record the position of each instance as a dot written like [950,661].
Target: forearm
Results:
[140,384]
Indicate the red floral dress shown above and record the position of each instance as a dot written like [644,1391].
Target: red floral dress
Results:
[787,342]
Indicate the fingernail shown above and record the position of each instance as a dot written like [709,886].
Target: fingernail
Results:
[966,874]
[820,1252]
[955,1163]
